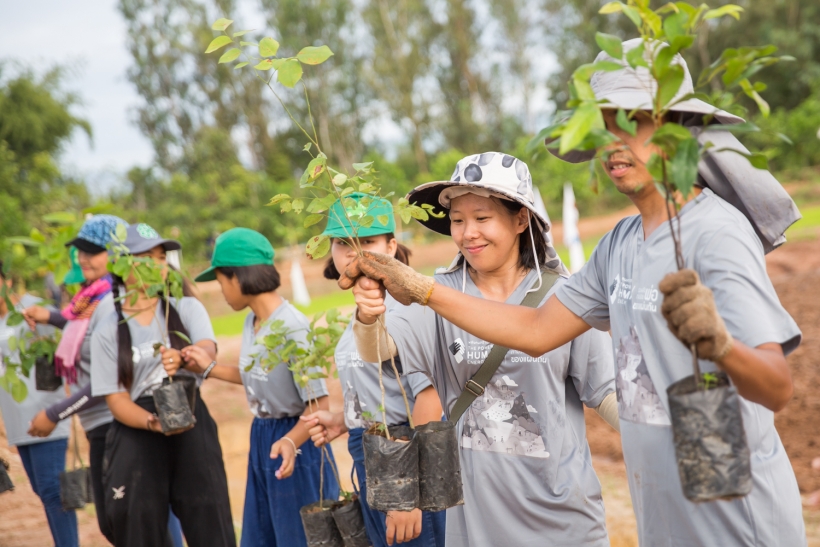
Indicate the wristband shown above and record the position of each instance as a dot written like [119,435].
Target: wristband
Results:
[208,370]
[298,451]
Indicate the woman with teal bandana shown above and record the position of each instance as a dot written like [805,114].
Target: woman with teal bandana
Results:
[360,381]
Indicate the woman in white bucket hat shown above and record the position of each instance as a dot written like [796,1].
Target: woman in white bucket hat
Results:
[525,463]
[724,303]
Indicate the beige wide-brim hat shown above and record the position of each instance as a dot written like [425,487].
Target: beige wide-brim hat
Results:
[634,89]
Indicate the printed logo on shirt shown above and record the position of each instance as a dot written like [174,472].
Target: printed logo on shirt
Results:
[638,400]
[502,421]
[620,291]
[353,360]
[119,493]
[353,408]
[457,349]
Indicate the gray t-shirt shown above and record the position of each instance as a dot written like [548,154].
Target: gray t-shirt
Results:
[275,394]
[148,369]
[525,463]
[360,385]
[617,289]
[16,416]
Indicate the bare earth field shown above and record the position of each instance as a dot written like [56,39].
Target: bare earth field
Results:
[794,269]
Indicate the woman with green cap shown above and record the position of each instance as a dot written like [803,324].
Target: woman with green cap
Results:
[283,472]
[360,380]
[525,463]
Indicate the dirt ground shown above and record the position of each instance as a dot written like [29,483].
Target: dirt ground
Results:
[794,269]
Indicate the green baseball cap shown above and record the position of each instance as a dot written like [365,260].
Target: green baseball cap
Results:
[75,274]
[339,226]
[238,247]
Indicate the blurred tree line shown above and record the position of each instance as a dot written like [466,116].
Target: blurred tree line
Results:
[421,82]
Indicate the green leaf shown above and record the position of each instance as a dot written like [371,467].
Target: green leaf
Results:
[290,72]
[729,9]
[584,72]
[366,221]
[298,205]
[315,168]
[268,47]
[62,217]
[221,24]
[611,44]
[182,335]
[218,42]
[383,219]
[339,179]
[683,168]
[668,136]
[317,246]
[241,33]
[237,66]
[264,64]
[313,219]
[582,121]
[635,57]
[758,160]
[752,93]
[669,85]
[230,55]
[13,344]
[611,7]
[15,318]
[366,166]
[674,26]
[19,391]
[630,126]
[243,44]
[634,15]
[314,55]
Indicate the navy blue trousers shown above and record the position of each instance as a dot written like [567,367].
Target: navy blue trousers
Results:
[432,523]
[271,516]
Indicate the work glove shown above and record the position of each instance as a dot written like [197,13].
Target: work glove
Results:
[404,283]
[690,311]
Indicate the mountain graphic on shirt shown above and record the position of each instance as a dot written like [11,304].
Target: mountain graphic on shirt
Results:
[352,408]
[500,420]
[638,400]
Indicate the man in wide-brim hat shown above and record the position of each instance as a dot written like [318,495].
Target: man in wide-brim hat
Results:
[723,303]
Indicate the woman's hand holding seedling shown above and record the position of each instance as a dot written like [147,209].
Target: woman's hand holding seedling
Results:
[35,315]
[690,311]
[286,449]
[369,295]
[171,360]
[324,426]
[196,359]
[403,283]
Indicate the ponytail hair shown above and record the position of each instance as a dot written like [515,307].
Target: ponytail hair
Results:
[125,355]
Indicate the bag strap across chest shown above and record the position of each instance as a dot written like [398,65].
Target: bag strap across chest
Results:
[474,387]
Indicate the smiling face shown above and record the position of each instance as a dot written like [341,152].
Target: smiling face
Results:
[627,167]
[486,232]
[342,251]
[94,266]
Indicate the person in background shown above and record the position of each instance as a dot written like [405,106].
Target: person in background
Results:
[284,473]
[43,459]
[146,470]
[360,385]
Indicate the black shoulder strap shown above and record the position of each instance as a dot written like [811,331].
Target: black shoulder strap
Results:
[475,385]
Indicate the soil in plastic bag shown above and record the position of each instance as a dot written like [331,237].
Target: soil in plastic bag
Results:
[45,377]
[75,489]
[392,467]
[710,442]
[320,528]
[190,388]
[350,522]
[5,480]
[173,408]
[439,467]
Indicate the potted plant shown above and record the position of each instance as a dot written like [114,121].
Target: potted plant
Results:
[710,445]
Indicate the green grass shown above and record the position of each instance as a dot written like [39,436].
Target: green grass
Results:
[806,227]
[231,324]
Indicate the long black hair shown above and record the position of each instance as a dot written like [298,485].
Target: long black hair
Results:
[125,355]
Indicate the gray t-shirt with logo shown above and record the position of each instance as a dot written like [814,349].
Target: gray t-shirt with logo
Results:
[276,394]
[16,416]
[618,290]
[148,369]
[525,463]
[360,385]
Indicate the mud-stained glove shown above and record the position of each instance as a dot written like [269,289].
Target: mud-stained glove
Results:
[690,311]
[404,283]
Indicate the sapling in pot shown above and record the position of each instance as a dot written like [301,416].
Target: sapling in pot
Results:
[75,484]
[5,479]
[710,444]
[174,400]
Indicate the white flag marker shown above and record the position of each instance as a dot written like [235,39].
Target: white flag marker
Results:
[572,239]
[301,296]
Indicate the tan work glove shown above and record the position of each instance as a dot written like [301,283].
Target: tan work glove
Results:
[404,283]
[690,312]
